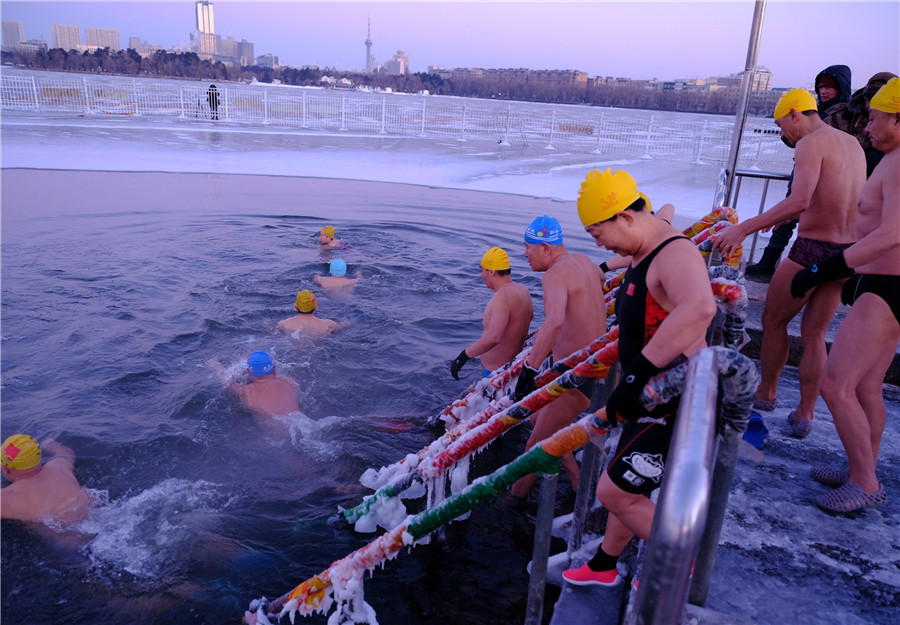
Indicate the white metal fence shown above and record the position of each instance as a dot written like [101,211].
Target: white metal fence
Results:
[703,139]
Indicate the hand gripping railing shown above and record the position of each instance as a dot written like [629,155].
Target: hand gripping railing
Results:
[343,578]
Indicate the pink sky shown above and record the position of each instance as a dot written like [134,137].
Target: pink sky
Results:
[636,39]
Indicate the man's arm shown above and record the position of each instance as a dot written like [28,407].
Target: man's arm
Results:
[807,168]
[60,452]
[231,387]
[555,300]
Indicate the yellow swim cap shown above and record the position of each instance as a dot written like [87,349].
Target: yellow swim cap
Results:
[306,301]
[328,231]
[604,195]
[495,259]
[798,99]
[20,451]
[887,100]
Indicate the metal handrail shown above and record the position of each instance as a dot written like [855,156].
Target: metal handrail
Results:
[768,176]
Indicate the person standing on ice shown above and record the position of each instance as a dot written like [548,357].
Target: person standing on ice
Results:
[829,172]
[867,341]
[664,307]
[574,316]
[506,318]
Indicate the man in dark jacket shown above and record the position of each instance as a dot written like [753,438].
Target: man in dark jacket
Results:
[833,93]
[857,114]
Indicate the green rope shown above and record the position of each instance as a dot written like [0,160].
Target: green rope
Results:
[535,461]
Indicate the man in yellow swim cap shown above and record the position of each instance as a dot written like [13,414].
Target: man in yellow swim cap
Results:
[829,172]
[40,492]
[505,320]
[867,341]
[306,319]
[327,240]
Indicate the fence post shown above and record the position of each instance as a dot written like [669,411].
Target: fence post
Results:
[343,112]
[87,97]
[597,150]
[226,102]
[649,139]
[699,160]
[462,130]
[265,106]
[303,119]
[383,113]
[549,146]
[137,110]
[422,127]
[181,100]
[504,140]
[37,103]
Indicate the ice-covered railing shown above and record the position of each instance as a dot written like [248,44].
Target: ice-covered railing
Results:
[624,133]
[478,427]
[342,582]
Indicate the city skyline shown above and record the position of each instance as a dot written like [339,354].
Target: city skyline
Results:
[710,39]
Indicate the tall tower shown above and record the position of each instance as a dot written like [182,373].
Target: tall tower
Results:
[206,27]
[369,48]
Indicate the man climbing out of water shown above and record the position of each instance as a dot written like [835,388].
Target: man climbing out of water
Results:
[829,171]
[664,307]
[267,395]
[338,278]
[574,315]
[327,240]
[50,491]
[506,318]
[852,383]
[306,319]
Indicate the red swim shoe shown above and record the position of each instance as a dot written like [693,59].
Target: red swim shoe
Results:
[585,576]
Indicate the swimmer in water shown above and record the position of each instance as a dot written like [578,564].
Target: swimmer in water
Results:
[338,277]
[49,491]
[327,240]
[267,395]
[306,319]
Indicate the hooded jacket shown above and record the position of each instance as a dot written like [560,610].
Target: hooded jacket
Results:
[832,110]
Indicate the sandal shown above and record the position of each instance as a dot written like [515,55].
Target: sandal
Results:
[829,476]
[850,497]
[800,428]
[768,405]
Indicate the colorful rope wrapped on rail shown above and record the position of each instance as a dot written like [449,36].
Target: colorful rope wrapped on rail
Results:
[341,583]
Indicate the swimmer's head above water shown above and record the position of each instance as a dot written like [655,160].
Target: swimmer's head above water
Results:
[544,229]
[495,259]
[337,267]
[260,363]
[326,235]
[306,301]
[20,452]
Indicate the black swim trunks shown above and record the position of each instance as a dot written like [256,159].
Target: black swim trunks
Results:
[809,252]
[884,286]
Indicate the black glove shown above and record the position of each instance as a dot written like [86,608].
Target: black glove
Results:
[604,267]
[457,364]
[625,401]
[525,383]
[831,268]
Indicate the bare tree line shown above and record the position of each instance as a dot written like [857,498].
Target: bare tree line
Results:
[189,65]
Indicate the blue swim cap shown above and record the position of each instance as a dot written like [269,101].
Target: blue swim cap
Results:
[337,267]
[260,364]
[544,229]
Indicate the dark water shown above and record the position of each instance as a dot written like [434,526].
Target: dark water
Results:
[116,289]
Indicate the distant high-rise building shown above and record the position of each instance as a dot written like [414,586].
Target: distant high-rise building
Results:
[399,64]
[102,38]
[267,60]
[369,48]
[245,53]
[13,35]
[65,37]
[206,28]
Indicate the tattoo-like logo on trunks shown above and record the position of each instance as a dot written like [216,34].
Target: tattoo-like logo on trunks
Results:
[649,465]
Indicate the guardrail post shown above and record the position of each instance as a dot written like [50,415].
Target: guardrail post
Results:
[462,130]
[549,146]
[597,150]
[648,144]
[37,102]
[699,160]
[87,98]
[227,103]
[505,139]
[422,128]
[265,106]
[534,609]
[383,113]
[343,112]
[181,100]
[303,118]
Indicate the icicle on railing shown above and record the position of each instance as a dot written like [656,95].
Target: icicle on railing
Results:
[342,581]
